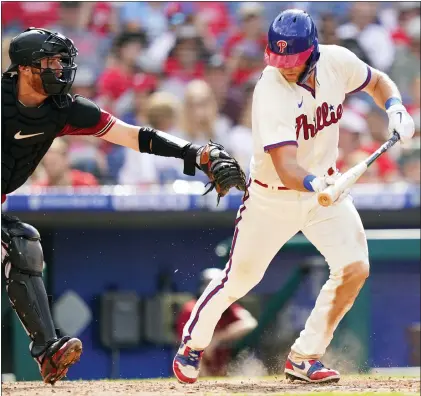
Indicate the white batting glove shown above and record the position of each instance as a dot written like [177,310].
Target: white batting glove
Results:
[331,180]
[401,122]
[321,183]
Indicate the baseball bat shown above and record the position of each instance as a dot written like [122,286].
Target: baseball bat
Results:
[329,195]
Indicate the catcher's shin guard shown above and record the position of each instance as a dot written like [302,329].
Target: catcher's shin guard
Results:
[22,258]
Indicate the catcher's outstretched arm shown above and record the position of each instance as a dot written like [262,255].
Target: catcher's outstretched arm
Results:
[149,140]
[223,171]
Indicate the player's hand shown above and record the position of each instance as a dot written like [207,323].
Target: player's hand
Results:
[223,170]
[401,122]
[331,180]
[321,183]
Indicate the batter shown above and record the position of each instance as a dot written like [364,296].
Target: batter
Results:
[297,105]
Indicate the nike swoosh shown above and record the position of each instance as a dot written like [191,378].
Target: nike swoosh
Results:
[400,115]
[300,104]
[20,136]
[299,366]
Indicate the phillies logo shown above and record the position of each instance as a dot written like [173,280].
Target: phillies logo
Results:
[282,44]
[325,116]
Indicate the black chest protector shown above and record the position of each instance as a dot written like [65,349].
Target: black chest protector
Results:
[26,135]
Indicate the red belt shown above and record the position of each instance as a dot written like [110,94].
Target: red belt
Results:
[330,172]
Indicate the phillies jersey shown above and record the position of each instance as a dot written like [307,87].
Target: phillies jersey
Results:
[286,113]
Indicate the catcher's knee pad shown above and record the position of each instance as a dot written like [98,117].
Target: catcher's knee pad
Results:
[23,262]
[23,248]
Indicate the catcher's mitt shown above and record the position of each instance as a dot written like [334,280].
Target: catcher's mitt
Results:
[223,171]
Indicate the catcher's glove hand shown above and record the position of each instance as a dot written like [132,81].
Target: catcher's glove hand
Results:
[223,171]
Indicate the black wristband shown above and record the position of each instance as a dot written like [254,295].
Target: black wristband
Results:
[163,144]
[190,163]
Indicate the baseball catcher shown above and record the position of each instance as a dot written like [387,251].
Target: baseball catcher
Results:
[36,109]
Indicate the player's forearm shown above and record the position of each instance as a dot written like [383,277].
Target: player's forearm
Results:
[382,89]
[292,176]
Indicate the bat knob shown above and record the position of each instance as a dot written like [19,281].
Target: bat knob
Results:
[324,199]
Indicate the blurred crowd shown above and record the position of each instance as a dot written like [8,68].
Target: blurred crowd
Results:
[189,68]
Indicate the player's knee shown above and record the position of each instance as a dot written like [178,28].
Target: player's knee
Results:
[244,277]
[356,273]
[24,249]
[362,269]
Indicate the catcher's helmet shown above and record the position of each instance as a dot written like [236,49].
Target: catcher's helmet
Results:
[292,42]
[34,44]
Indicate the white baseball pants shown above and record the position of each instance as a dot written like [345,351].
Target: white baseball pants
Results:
[267,219]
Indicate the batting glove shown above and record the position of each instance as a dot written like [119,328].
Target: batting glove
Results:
[331,180]
[401,122]
[321,183]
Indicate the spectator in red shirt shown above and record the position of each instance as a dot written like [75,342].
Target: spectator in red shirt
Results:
[365,129]
[19,15]
[212,19]
[135,102]
[99,17]
[58,171]
[235,323]
[185,60]
[117,78]
[407,10]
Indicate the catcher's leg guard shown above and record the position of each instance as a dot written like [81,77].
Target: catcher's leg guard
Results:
[22,257]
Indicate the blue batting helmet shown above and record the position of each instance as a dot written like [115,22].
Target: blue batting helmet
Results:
[292,42]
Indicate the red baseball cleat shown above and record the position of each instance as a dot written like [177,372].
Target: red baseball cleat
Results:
[186,364]
[55,363]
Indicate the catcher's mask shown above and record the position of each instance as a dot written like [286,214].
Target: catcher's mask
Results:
[34,44]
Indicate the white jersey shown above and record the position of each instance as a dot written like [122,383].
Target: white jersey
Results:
[288,113]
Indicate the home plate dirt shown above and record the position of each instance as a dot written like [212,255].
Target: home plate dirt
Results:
[230,386]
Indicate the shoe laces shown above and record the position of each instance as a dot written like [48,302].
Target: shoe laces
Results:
[316,366]
[194,356]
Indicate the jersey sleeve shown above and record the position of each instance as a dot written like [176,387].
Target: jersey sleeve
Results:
[273,115]
[106,121]
[355,73]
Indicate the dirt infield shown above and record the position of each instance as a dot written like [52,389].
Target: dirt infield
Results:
[233,386]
